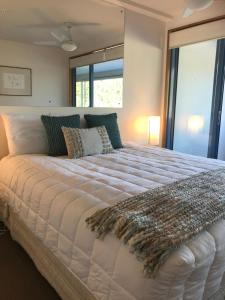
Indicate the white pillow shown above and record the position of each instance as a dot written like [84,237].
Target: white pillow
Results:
[25,134]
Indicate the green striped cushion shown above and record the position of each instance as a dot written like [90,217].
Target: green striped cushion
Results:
[53,125]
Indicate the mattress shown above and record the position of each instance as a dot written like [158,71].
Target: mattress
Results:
[54,196]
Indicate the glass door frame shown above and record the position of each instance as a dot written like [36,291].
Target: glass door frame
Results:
[217,99]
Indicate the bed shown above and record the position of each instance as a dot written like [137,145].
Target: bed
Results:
[45,201]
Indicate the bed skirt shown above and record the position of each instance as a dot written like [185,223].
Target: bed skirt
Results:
[60,278]
[67,285]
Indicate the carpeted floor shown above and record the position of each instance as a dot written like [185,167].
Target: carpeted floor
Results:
[19,279]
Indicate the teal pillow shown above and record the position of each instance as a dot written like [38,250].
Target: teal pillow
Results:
[111,125]
[53,126]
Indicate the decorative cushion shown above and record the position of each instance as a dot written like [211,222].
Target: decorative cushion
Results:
[83,142]
[54,132]
[110,123]
[25,134]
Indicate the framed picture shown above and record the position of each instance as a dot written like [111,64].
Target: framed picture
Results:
[15,81]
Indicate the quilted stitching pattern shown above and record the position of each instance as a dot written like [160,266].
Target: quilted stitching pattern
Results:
[54,196]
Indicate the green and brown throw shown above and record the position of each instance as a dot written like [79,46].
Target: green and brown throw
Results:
[158,221]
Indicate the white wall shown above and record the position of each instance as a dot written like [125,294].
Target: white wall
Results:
[143,52]
[144,41]
[49,73]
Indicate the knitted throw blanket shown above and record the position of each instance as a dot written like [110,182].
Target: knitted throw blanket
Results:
[158,221]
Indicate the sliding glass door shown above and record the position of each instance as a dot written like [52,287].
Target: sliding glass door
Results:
[194,97]
[195,101]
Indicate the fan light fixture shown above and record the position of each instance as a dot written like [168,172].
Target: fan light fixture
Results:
[196,5]
[69,46]
[62,37]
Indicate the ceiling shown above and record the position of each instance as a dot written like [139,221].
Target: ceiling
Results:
[217,9]
[170,11]
[31,21]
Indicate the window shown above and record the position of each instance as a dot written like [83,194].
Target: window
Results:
[98,85]
[82,86]
[108,84]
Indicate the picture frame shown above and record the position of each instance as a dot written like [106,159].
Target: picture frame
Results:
[15,81]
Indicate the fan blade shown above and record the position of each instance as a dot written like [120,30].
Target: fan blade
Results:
[76,24]
[196,5]
[60,35]
[46,43]
[52,26]
[199,4]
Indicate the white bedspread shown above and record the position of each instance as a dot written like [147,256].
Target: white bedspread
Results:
[54,196]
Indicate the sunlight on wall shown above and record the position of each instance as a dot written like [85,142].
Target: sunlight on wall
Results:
[195,123]
[141,126]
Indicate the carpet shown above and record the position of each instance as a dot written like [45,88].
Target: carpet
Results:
[19,278]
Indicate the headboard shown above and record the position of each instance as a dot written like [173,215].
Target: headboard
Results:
[44,110]
[3,140]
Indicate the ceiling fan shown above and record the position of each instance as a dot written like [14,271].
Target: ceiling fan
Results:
[196,5]
[62,36]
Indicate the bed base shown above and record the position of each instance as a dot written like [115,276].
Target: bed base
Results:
[60,278]
[67,285]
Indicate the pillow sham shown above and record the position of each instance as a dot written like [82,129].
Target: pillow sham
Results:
[25,134]
[111,125]
[53,125]
[83,142]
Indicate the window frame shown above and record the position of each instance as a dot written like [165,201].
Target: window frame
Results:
[172,97]
[167,68]
[217,99]
[91,83]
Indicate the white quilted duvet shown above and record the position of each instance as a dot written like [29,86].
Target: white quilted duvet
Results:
[54,196]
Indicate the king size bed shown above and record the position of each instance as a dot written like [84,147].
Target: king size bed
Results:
[45,201]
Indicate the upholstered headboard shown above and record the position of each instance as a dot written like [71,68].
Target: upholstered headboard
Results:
[3,140]
[40,111]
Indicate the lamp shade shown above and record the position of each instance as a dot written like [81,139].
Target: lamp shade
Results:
[154,130]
